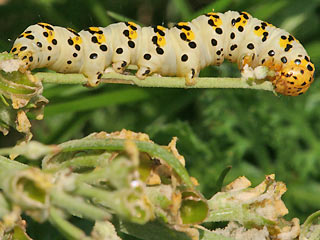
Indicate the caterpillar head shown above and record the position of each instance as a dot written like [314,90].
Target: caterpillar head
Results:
[294,78]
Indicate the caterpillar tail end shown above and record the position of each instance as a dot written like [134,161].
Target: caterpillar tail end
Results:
[24,55]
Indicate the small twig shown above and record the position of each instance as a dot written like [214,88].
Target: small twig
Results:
[155,81]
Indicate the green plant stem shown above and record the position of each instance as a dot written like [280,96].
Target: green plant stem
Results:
[4,206]
[130,204]
[103,197]
[241,214]
[155,81]
[77,206]
[69,230]
[119,144]
[7,164]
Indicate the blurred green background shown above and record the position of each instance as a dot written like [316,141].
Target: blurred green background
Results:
[255,132]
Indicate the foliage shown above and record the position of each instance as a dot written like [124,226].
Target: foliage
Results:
[126,183]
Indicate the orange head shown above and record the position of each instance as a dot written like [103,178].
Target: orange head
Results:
[294,78]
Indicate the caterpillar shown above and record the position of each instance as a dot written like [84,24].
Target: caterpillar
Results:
[182,50]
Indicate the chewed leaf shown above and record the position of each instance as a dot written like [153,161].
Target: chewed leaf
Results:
[310,230]
[104,230]
[29,189]
[23,92]
[234,231]
[8,63]
[260,205]
[254,207]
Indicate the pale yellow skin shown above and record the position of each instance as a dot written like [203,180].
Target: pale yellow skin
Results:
[179,51]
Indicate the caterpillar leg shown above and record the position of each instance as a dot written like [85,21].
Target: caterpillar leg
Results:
[191,77]
[120,66]
[143,72]
[93,80]
[247,59]
[121,58]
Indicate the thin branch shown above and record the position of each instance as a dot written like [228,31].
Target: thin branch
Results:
[155,81]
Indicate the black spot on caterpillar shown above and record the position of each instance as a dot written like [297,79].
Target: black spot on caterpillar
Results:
[182,50]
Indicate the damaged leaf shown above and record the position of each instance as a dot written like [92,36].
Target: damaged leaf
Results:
[20,93]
